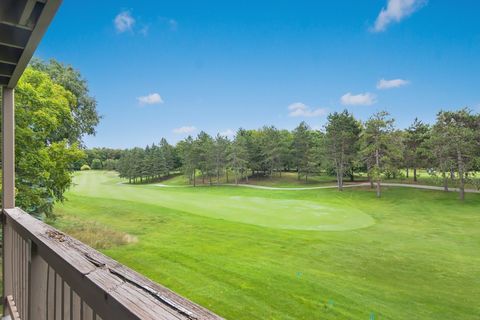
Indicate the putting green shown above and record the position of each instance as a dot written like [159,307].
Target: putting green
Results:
[231,204]
[282,214]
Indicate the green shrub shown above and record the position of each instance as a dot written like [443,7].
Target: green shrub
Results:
[110,164]
[85,167]
[96,164]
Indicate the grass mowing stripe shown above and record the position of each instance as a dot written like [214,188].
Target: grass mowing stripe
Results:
[420,260]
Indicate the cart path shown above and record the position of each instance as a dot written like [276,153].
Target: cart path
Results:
[363,184]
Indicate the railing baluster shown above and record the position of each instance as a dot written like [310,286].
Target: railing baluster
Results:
[50,276]
[58,297]
[26,263]
[19,272]
[81,309]
[66,301]
[76,306]
[47,296]
[15,268]
[51,294]
[13,258]
[12,262]
[62,299]
[38,286]
[70,308]
[87,312]
[8,267]
[54,295]
[22,279]
[24,287]
[28,274]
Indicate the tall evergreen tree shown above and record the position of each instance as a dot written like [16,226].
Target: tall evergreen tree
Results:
[220,155]
[238,156]
[188,155]
[204,151]
[382,146]
[272,148]
[415,137]
[342,142]
[457,135]
[302,149]
[168,152]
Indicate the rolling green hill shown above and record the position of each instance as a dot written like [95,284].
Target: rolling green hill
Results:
[278,254]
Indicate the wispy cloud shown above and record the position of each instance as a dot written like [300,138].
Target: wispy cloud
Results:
[124,21]
[153,98]
[168,22]
[184,130]
[144,30]
[173,24]
[396,11]
[299,109]
[390,84]
[362,99]
[228,133]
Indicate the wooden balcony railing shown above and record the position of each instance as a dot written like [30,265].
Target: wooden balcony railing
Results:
[51,276]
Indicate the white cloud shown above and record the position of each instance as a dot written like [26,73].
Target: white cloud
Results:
[184,130]
[228,133]
[124,21]
[362,99]
[299,109]
[173,24]
[390,84]
[395,11]
[153,98]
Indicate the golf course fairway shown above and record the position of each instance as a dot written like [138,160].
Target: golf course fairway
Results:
[276,254]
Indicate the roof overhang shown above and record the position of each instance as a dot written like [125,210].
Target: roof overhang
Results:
[22,25]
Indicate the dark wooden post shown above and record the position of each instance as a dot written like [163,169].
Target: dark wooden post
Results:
[8,179]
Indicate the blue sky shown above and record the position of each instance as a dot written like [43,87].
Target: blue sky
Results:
[169,68]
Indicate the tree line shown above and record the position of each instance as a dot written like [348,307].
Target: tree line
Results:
[448,149]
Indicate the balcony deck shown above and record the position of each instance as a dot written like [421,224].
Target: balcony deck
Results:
[50,275]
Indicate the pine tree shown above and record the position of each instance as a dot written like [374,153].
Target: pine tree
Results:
[342,142]
[220,154]
[455,140]
[382,147]
[302,149]
[415,137]
[238,154]
[168,152]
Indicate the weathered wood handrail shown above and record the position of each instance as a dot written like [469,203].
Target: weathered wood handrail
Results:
[50,275]
[12,308]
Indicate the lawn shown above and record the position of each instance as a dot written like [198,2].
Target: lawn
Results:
[270,254]
[286,179]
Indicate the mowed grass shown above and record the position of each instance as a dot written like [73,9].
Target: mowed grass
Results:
[312,254]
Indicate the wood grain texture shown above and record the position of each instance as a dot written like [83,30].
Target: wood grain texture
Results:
[74,278]
[12,308]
